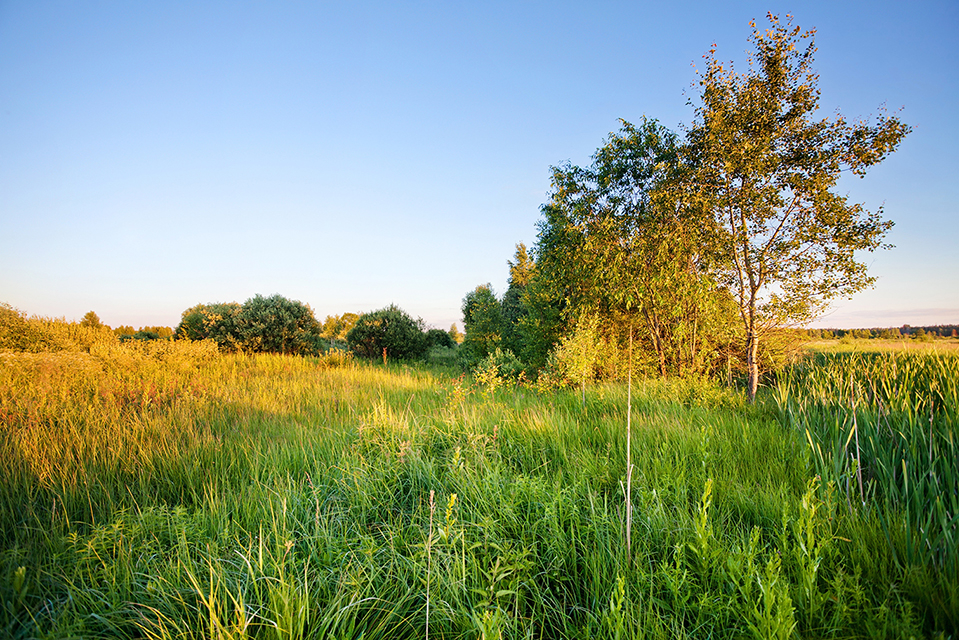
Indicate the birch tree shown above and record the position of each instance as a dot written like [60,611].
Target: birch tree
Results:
[767,167]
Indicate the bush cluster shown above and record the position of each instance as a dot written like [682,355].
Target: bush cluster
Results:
[260,325]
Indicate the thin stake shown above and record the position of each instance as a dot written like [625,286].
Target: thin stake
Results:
[429,544]
[629,456]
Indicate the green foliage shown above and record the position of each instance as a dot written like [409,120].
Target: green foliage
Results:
[218,321]
[542,323]
[578,356]
[497,368]
[513,305]
[261,325]
[619,240]
[389,329]
[483,319]
[765,168]
[278,325]
[439,338]
[336,327]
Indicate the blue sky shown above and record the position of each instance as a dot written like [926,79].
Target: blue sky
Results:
[352,155]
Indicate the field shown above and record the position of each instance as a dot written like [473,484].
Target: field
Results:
[161,490]
[879,345]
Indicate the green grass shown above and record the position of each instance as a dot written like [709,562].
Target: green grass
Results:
[169,492]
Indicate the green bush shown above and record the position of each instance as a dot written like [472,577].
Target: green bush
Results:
[439,338]
[279,325]
[498,367]
[390,330]
[260,325]
[217,321]
[483,319]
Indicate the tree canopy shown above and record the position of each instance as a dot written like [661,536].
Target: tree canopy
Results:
[391,331]
[765,167]
[272,324]
[708,243]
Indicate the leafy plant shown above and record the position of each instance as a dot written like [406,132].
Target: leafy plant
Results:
[388,332]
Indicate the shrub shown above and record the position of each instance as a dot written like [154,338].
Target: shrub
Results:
[498,367]
[279,325]
[390,329]
[217,321]
[483,319]
[270,325]
[16,334]
[39,335]
[439,338]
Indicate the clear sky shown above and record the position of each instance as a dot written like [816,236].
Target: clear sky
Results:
[156,155]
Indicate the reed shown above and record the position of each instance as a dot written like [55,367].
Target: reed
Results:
[882,428]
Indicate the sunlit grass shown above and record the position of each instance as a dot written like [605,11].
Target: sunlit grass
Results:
[170,492]
[880,345]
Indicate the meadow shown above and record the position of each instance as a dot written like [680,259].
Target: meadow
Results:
[164,490]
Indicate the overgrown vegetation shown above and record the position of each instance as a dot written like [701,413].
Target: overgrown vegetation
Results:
[252,479]
[703,246]
[161,489]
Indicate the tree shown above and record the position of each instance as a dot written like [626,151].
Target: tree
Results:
[124,331]
[92,320]
[217,321]
[390,331]
[455,334]
[483,320]
[336,327]
[620,239]
[272,325]
[512,306]
[278,325]
[439,338]
[765,167]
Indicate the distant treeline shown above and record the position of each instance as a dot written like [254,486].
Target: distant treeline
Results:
[888,333]
[273,324]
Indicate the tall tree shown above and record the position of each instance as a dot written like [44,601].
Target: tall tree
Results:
[621,239]
[513,308]
[483,321]
[766,167]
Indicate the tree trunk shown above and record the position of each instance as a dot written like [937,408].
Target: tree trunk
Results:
[653,323]
[752,362]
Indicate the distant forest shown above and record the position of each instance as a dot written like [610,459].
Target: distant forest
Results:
[889,333]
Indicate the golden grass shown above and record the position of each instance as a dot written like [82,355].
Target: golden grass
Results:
[875,345]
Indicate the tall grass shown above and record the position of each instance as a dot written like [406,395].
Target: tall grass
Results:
[882,428]
[171,492]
